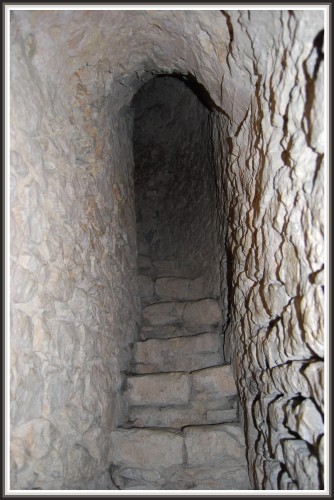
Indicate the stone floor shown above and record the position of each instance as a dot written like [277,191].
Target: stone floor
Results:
[183,430]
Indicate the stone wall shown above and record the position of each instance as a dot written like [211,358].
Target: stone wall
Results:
[273,195]
[73,261]
[74,300]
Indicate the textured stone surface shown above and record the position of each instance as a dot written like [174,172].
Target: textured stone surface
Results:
[146,448]
[229,477]
[75,306]
[178,417]
[155,459]
[175,319]
[178,354]
[180,288]
[160,389]
[213,382]
[177,400]
[212,444]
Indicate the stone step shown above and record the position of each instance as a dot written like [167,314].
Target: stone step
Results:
[177,399]
[231,476]
[211,384]
[158,389]
[174,319]
[177,354]
[206,457]
[213,444]
[147,449]
[172,289]
[193,414]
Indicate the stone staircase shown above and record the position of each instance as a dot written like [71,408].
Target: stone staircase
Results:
[183,430]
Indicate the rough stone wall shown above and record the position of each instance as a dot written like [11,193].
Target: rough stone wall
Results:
[73,261]
[273,198]
[73,306]
[175,188]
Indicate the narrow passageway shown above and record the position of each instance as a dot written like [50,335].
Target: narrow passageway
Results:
[167,257]
[183,428]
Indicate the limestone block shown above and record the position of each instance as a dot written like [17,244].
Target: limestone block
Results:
[127,478]
[177,354]
[165,313]
[160,389]
[178,417]
[164,318]
[201,314]
[230,476]
[146,448]
[213,383]
[170,288]
[213,444]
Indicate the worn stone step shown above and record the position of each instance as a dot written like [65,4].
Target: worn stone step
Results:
[213,444]
[176,399]
[174,319]
[173,288]
[158,389]
[193,414]
[177,354]
[213,383]
[151,449]
[231,476]
[201,457]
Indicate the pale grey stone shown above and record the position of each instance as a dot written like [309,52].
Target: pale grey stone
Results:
[146,448]
[177,354]
[212,383]
[300,464]
[314,374]
[161,314]
[202,315]
[305,420]
[23,286]
[194,413]
[160,389]
[220,416]
[170,288]
[163,319]
[231,476]
[216,443]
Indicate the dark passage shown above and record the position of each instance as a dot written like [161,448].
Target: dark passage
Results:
[177,222]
